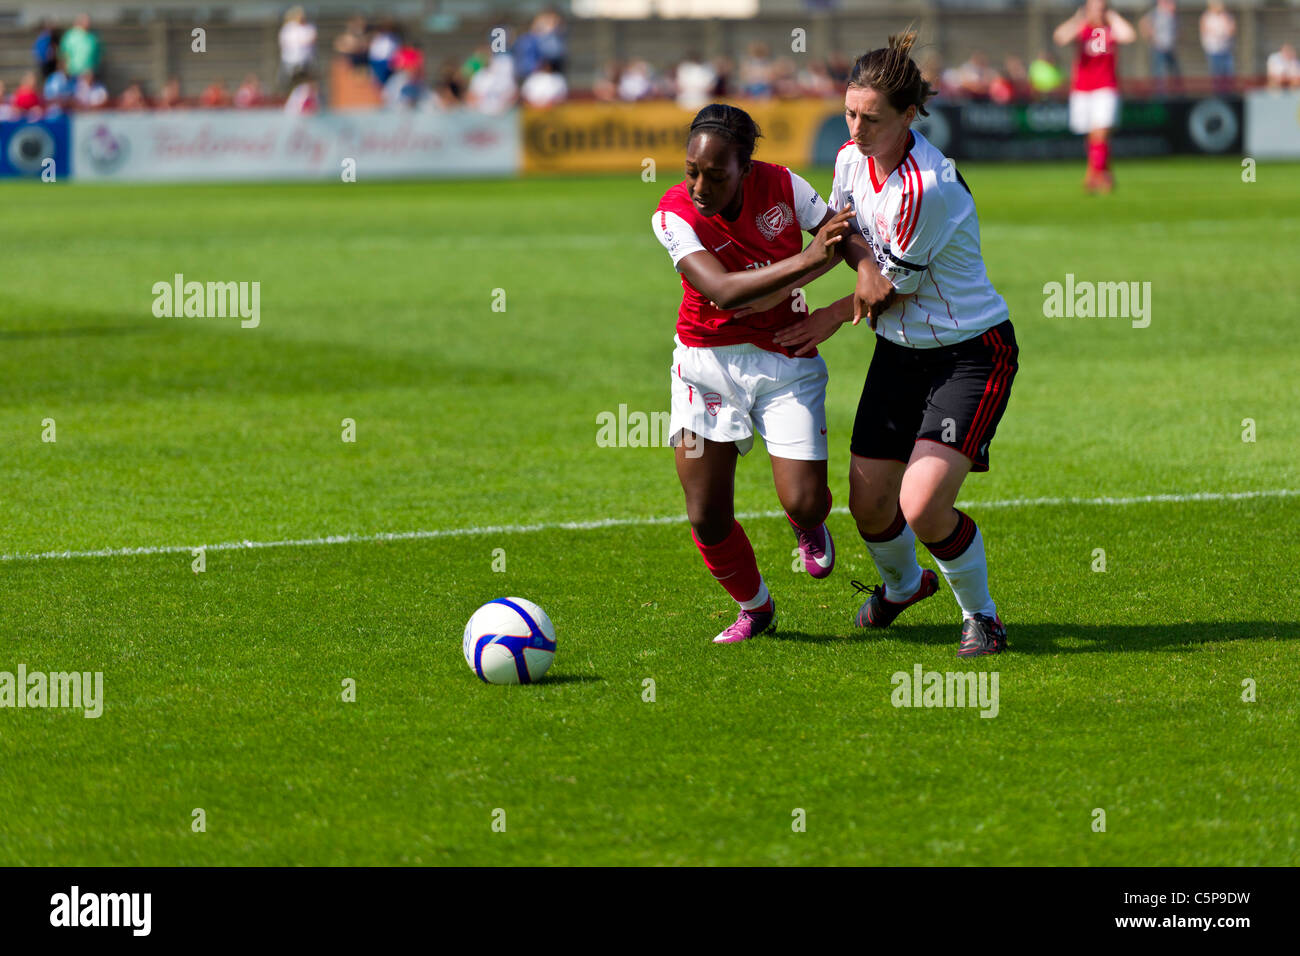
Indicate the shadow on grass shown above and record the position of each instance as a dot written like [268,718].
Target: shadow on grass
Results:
[1068,638]
[571,679]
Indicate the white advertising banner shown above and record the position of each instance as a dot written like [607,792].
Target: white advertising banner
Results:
[1273,124]
[221,145]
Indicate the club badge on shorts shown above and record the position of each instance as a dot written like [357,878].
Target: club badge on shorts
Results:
[712,401]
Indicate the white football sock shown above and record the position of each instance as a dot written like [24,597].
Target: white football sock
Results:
[968,576]
[895,559]
[759,599]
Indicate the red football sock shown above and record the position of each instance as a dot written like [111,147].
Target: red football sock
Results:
[1095,156]
[732,563]
[1103,155]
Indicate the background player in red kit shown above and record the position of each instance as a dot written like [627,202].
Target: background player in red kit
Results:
[1095,30]
[734,231]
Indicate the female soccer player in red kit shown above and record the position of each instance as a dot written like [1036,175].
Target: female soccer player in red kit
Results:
[945,352]
[733,228]
[1095,30]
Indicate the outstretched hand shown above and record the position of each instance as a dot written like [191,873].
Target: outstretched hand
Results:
[806,334]
[822,248]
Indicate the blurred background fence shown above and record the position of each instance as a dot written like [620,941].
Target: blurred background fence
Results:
[554,85]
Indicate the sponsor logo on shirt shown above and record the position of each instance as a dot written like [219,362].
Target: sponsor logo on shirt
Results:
[882,227]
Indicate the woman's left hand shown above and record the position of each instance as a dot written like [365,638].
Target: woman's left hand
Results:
[807,334]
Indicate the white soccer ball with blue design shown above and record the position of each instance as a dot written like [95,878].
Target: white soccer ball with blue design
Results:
[509,641]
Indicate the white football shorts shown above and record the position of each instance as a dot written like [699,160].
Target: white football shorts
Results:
[728,392]
[1093,109]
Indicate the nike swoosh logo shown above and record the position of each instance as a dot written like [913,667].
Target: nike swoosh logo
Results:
[721,247]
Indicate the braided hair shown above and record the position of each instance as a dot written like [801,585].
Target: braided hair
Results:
[729,121]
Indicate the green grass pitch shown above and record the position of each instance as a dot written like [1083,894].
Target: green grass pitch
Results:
[1122,691]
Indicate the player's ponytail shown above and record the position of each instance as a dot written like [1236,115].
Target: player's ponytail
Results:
[730,121]
[891,71]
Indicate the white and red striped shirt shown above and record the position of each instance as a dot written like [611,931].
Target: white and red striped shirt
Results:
[921,222]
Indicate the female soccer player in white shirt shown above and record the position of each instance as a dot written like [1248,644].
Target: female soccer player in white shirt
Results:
[945,352]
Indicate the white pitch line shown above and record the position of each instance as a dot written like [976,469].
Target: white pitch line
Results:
[1193,497]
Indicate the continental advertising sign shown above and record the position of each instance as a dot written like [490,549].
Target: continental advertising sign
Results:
[619,137]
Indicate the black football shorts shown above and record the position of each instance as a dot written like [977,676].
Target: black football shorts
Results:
[953,395]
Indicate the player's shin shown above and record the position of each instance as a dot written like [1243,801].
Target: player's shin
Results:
[893,551]
[960,557]
[731,562]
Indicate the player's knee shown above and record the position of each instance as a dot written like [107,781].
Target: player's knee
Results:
[710,523]
[929,518]
[873,511]
[806,504]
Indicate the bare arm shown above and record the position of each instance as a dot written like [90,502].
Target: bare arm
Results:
[1068,31]
[732,290]
[1123,30]
[782,294]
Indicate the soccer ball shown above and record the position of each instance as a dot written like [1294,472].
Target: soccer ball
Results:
[509,641]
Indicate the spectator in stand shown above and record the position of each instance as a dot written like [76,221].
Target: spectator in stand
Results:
[723,71]
[543,42]
[785,79]
[552,40]
[297,44]
[1012,84]
[816,81]
[840,66]
[59,87]
[90,94]
[170,98]
[304,98]
[27,96]
[409,59]
[974,77]
[385,43]
[405,86]
[1283,68]
[353,45]
[493,88]
[1045,77]
[605,88]
[250,93]
[931,67]
[756,72]
[448,89]
[7,112]
[694,82]
[1159,28]
[545,86]
[637,82]
[80,48]
[133,98]
[1218,33]
[476,61]
[46,49]
[215,96]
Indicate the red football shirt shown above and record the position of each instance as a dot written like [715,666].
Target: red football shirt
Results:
[1094,64]
[26,99]
[769,228]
